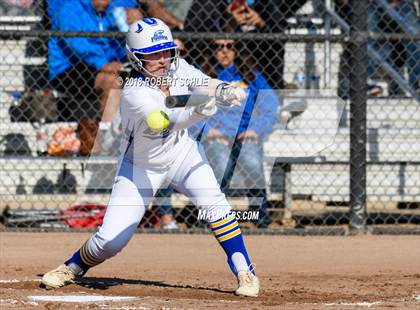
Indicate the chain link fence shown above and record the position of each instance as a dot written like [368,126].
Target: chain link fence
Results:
[333,135]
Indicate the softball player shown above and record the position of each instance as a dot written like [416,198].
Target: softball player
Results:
[154,158]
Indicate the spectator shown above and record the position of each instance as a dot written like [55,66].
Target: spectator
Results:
[164,208]
[156,8]
[15,7]
[179,9]
[181,47]
[246,127]
[261,16]
[132,13]
[85,69]
[395,52]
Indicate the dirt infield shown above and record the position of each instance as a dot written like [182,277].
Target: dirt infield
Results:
[189,272]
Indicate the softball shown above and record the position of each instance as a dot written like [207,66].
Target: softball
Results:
[157,120]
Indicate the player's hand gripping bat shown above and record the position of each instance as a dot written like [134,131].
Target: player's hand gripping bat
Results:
[226,95]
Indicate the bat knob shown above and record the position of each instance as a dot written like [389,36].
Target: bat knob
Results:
[171,102]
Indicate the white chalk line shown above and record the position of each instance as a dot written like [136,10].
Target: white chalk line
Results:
[365,303]
[8,301]
[124,307]
[17,281]
[80,298]
[14,302]
[357,304]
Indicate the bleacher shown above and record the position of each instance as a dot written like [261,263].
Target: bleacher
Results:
[393,171]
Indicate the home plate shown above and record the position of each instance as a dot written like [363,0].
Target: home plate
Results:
[80,298]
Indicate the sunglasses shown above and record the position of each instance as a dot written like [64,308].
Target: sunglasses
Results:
[220,46]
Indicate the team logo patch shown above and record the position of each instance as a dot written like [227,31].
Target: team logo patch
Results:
[159,35]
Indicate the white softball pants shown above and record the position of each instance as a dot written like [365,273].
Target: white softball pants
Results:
[134,189]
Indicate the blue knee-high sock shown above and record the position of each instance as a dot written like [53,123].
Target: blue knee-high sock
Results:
[228,233]
[83,258]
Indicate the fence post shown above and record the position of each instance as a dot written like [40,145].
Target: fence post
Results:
[358,96]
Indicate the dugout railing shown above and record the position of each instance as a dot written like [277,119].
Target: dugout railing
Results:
[325,192]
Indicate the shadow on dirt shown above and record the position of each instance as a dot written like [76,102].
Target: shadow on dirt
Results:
[106,283]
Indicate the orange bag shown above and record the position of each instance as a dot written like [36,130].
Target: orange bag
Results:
[64,142]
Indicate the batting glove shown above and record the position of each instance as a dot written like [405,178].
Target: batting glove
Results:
[229,95]
[206,109]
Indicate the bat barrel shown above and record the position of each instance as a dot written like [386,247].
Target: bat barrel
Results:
[182,101]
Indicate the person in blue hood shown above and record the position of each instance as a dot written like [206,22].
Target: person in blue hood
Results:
[54,6]
[245,126]
[86,69]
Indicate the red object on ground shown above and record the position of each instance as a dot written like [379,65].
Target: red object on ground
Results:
[85,216]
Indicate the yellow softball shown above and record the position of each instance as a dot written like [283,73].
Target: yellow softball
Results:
[157,120]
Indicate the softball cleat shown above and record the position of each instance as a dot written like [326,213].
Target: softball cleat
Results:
[248,283]
[58,277]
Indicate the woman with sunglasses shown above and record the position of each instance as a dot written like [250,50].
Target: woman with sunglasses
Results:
[234,136]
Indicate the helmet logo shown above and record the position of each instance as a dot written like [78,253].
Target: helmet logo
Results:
[159,35]
[150,21]
[139,28]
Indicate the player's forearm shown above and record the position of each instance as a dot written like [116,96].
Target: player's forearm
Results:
[183,119]
[212,86]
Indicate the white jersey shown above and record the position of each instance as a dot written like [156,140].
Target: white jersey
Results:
[143,146]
